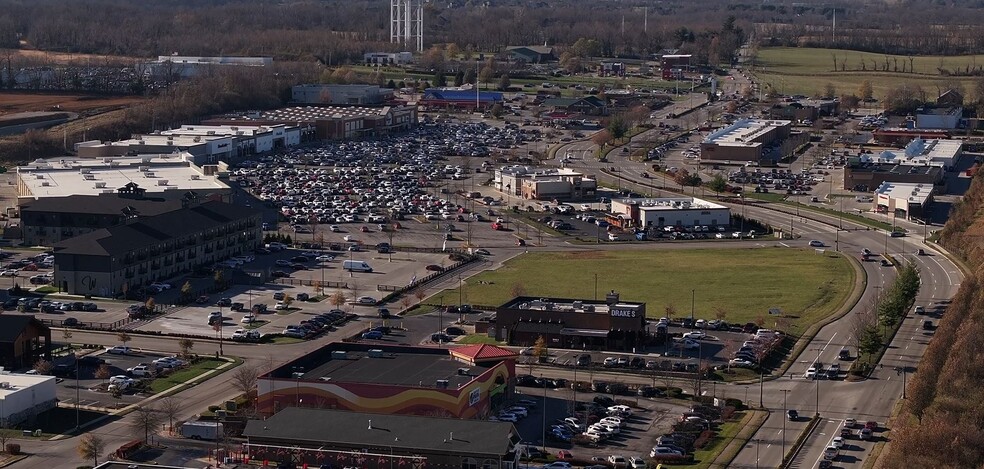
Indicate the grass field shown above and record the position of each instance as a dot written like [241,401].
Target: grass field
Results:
[184,375]
[743,283]
[796,70]
[478,339]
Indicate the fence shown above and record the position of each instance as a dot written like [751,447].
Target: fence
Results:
[310,283]
[99,326]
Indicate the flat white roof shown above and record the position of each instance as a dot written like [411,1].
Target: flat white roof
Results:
[920,152]
[538,172]
[175,140]
[914,193]
[671,203]
[19,382]
[222,130]
[155,173]
[743,132]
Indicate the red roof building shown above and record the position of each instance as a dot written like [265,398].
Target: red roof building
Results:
[482,353]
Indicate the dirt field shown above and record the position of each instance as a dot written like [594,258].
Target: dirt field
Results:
[66,58]
[12,102]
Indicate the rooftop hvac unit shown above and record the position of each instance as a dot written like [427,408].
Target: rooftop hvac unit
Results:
[339,355]
[5,385]
[162,182]
[107,191]
[39,176]
[45,184]
[114,164]
[375,353]
[142,142]
[234,128]
[197,139]
[146,159]
[85,171]
[589,308]
[191,128]
[578,304]
[107,160]
[464,371]
[144,168]
[100,185]
[536,304]
[170,138]
[88,177]
[442,384]
[149,174]
[195,177]
[210,132]
[549,306]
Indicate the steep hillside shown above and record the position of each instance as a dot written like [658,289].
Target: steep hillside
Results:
[942,422]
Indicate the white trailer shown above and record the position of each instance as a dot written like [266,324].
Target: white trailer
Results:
[199,430]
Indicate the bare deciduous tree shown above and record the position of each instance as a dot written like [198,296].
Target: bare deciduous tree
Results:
[145,419]
[91,447]
[170,407]
[244,379]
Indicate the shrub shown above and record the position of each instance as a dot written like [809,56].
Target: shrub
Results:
[13,448]
[702,440]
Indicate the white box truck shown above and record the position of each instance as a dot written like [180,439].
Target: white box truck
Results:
[356,266]
[199,430]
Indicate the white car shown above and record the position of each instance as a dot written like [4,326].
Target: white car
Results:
[335,229]
[695,335]
[816,243]
[366,300]
[280,306]
[324,258]
[689,344]
[507,417]
[811,373]
[617,461]
[837,442]
[741,363]
[121,380]
[8,273]
[620,410]
[248,318]
[118,350]
[585,207]
[637,463]
[347,238]
[140,370]
[664,451]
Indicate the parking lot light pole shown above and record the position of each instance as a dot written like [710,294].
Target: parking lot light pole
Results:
[77,392]
[298,371]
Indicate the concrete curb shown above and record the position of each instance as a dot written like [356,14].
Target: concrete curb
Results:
[749,429]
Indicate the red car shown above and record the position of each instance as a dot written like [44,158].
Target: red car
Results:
[564,454]
[871,425]
[497,226]
[364,229]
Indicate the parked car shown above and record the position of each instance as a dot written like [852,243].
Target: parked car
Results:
[118,350]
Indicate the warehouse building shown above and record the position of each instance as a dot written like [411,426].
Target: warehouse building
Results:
[183,66]
[903,200]
[341,95]
[388,58]
[444,98]
[902,136]
[864,177]
[152,173]
[747,140]
[298,437]
[682,212]
[570,323]
[330,122]
[206,144]
[110,260]
[920,152]
[946,117]
[24,397]
[464,383]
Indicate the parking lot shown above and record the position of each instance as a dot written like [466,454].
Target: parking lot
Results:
[89,390]
[636,437]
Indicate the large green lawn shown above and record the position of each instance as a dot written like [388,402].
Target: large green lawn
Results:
[743,283]
[804,70]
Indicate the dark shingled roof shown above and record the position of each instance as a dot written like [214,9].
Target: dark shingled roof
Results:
[109,204]
[153,230]
[410,433]
[11,326]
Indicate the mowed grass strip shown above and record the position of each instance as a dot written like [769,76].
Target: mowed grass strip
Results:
[743,283]
[805,70]
[184,375]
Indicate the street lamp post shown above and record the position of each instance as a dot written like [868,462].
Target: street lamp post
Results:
[693,301]
[76,392]
[900,370]
[785,392]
